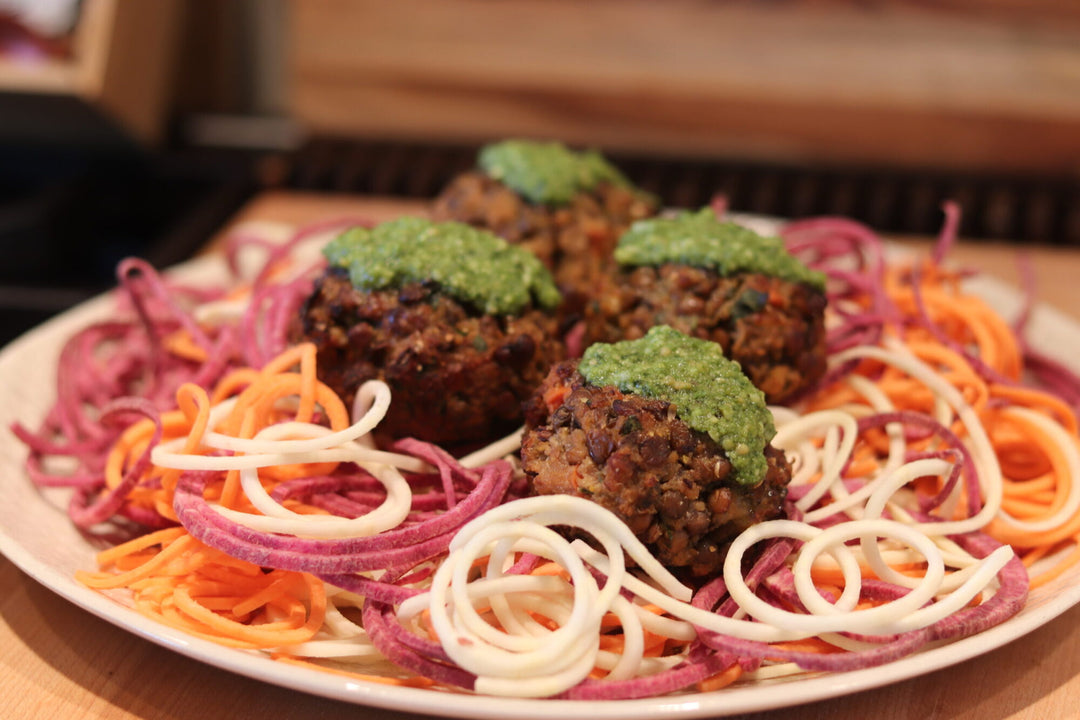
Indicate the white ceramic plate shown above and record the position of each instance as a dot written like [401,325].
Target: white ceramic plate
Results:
[37,536]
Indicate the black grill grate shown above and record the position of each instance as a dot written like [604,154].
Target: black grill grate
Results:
[1044,210]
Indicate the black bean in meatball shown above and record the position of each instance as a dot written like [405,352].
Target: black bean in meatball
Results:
[774,329]
[672,485]
[456,375]
[575,241]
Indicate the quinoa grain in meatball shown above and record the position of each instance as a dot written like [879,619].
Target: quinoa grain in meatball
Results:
[667,434]
[567,208]
[457,322]
[720,282]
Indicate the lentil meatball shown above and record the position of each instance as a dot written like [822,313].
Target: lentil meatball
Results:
[774,328]
[672,485]
[456,375]
[574,241]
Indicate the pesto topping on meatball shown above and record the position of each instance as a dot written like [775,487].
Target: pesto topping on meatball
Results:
[547,172]
[700,239]
[473,266]
[710,393]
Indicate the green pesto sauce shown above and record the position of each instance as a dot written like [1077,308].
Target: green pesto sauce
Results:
[710,393]
[472,265]
[547,172]
[700,239]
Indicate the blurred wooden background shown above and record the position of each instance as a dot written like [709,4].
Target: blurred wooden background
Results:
[945,84]
[930,83]
[873,109]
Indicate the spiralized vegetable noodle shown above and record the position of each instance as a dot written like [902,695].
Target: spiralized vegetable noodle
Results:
[934,469]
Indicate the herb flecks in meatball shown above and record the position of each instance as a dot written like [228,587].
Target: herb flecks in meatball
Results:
[460,341]
[672,485]
[567,208]
[720,282]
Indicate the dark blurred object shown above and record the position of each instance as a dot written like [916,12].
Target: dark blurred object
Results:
[87,176]
[67,218]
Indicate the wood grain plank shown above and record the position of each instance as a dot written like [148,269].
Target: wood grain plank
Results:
[894,82]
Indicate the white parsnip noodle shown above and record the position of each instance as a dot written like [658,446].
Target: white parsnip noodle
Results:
[519,656]
[298,442]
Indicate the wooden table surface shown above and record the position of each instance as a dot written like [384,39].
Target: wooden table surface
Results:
[57,660]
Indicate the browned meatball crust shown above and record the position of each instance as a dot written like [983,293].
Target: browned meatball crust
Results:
[456,375]
[672,485]
[775,329]
[574,241]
